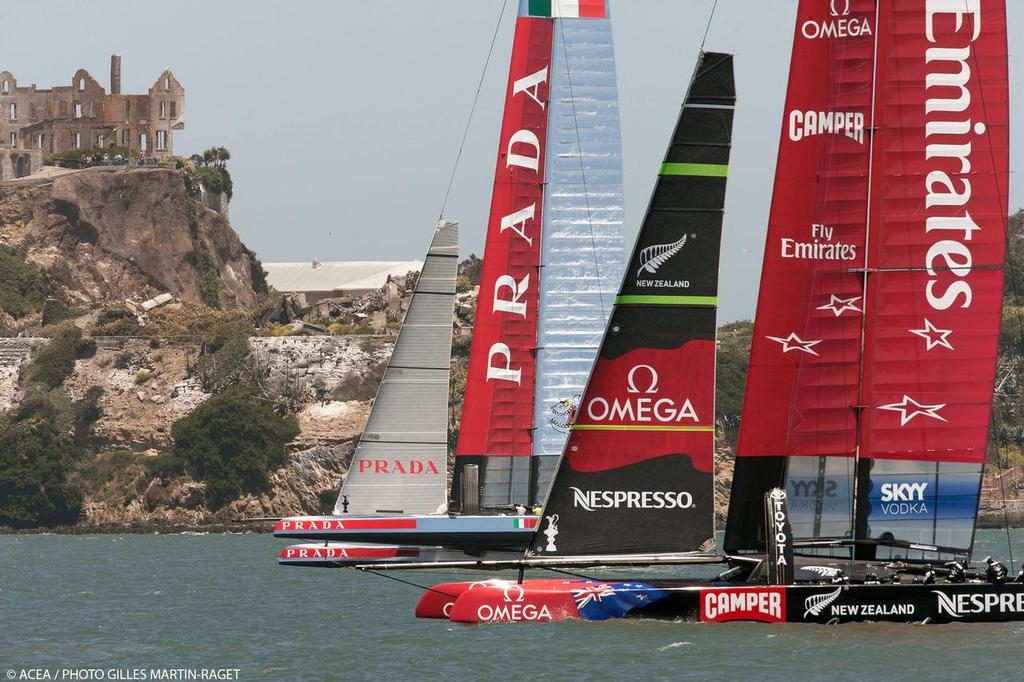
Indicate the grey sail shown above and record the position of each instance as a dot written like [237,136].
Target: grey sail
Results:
[401,462]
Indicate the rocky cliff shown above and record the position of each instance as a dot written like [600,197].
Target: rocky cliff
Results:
[103,235]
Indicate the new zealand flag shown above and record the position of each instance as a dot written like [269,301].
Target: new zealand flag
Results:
[601,601]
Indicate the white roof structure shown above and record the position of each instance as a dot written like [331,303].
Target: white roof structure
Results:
[342,277]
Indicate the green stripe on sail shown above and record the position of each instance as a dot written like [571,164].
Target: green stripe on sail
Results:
[624,427]
[540,8]
[709,170]
[666,300]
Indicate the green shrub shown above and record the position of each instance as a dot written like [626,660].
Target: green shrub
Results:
[21,287]
[116,321]
[166,465]
[36,454]
[731,372]
[470,269]
[231,442]
[55,312]
[202,259]
[56,361]
[85,413]
[226,361]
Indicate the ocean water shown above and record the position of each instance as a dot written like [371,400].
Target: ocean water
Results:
[110,607]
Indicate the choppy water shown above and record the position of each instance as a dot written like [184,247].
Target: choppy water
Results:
[220,601]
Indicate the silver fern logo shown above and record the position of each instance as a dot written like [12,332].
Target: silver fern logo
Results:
[653,257]
[823,571]
[817,603]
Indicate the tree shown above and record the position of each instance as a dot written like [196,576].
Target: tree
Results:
[231,442]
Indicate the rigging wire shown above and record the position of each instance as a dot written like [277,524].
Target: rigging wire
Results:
[707,29]
[406,582]
[472,109]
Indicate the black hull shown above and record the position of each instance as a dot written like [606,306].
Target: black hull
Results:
[829,604]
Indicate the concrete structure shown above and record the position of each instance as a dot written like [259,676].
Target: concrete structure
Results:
[82,115]
[328,280]
[18,163]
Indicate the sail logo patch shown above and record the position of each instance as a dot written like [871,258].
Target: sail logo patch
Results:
[641,409]
[763,604]
[824,604]
[414,467]
[816,603]
[950,135]
[807,494]
[839,25]
[805,124]
[967,603]
[589,500]
[819,246]
[904,499]
[565,413]
[653,257]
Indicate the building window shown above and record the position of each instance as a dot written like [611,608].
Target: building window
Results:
[78,110]
[174,110]
[126,137]
[76,140]
[14,140]
[163,109]
[161,140]
[81,85]
[12,111]
[7,87]
[167,83]
[143,142]
[127,109]
[39,141]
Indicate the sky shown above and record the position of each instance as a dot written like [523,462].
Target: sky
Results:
[344,117]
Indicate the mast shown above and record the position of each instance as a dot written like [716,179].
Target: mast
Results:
[558,201]
[637,473]
[400,464]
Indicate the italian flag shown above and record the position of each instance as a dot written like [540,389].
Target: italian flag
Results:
[526,523]
[576,9]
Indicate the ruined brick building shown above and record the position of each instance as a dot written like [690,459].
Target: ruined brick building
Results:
[82,115]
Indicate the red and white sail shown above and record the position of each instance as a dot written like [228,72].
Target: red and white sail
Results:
[557,203]
[878,317]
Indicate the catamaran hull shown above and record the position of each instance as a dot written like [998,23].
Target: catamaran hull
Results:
[553,600]
[337,555]
[451,532]
[347,554]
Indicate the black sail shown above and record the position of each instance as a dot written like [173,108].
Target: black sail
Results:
[637,472]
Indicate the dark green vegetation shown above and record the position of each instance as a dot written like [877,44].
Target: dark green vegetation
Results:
[731,374]
[44,439]
[1007,437]
[212,170]
[202,258]
[231,441]
[22,289]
